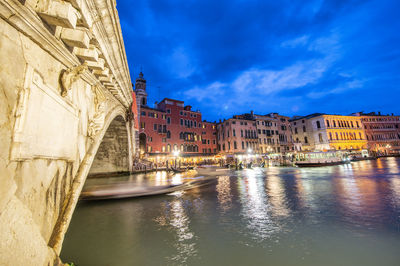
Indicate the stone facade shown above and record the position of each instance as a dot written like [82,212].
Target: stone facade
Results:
[263,134]
[382,132]
[321,132]
[64,79]
[274,133]
[237,135]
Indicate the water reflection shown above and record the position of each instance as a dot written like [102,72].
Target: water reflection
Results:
[339,215]
[224,193]
[276,195]
[175,219]
[255,209]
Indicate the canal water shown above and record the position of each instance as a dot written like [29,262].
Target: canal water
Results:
[337,215]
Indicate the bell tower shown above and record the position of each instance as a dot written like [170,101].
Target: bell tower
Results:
[140,90]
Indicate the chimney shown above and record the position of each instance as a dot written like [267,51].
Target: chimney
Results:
[379,113]
[155,105]
[392,114]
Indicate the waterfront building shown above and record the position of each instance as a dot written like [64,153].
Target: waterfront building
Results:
[322,132]
[274,133]
[264,134]
[237,135]
[171,126]
[267,129]
[382,132]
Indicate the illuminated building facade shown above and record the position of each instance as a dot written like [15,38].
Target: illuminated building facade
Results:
[274,133]
[172,126]
[262,134]
[382,132]
[321,132]
[237,135]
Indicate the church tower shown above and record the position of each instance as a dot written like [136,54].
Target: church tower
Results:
[140,90]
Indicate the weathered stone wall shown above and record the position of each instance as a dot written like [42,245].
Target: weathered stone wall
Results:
[32,190]
[112,155]
[54,111]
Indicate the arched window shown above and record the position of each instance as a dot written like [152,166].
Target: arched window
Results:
[181,135]
[330,136]
[168,148]
[318,124]
[181,147]
[337,136]
[334,123]
[168,134]
[175,147]
[360,135]
[327,123]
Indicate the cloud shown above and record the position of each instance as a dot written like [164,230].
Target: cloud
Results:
[231,56]
[252,84]
[180,64]
[350,85]
[265,81]
[300,41]
[212,91]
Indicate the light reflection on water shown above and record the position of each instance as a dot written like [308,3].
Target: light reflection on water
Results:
[341,215]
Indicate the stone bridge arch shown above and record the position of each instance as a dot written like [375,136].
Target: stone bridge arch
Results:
[64,88]
[112,126]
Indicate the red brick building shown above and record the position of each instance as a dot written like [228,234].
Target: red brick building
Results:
[172,126]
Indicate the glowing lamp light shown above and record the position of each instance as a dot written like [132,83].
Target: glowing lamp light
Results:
[249,150]
[176,153]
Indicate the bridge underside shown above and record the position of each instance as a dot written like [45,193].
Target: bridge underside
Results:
[113,153]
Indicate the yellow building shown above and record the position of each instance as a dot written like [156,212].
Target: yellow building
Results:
[321,132]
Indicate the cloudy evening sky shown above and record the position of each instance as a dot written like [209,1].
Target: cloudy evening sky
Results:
[227,57]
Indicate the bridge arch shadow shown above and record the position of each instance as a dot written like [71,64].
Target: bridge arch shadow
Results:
[112,156]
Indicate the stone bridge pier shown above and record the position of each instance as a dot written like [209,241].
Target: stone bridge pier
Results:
[65,112]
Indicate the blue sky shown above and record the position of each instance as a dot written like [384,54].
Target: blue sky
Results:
[227,57]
